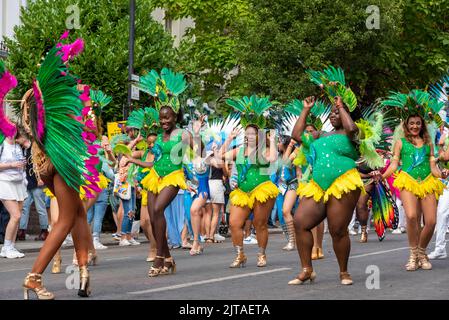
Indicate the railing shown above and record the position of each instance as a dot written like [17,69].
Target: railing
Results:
[3,49]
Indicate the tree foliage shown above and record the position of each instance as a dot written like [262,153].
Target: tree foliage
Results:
[288,36]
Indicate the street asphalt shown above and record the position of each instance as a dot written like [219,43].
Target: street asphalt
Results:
[377,269]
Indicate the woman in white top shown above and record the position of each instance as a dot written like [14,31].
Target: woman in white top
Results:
[13,189]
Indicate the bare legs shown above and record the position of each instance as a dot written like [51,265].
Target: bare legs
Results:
[310,213]
[74,217]
[145,223]
[196,214]
[158,223]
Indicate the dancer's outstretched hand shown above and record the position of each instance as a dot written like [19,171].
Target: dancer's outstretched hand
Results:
[309,102]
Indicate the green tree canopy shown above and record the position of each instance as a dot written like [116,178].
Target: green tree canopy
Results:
[287,37]
[104,26]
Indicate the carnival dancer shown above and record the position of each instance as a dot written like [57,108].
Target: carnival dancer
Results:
[255,192]
[167,176]
[418,180]
[336,184]
[63,156]
[147,122]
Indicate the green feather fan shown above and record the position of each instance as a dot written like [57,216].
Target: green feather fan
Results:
[62,141]
[336,75]
[252,110]
[164,88]
[370,135]
[122,149]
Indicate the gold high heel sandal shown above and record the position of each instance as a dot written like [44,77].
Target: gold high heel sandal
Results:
[320,253]
[92,259]
[33,282]
[306,274]
[345,278]
[84,290]
[412,263]
[171,268]
[423,259]
[261,260]
[314,255]
[364,235]
[155,271]
[56,268]
[240,259]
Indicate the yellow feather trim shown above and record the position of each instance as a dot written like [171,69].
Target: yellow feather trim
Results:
[144,198]
[421,189]
[103,184]
[262,193]
[152,182]
[345,183]
[48,193]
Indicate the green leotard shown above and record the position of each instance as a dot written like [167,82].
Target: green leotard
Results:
[253,177]
[164,165]
[332,156]
[415,161]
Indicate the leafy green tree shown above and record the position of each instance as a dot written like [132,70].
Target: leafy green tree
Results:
[287,37]
[104,26]
[208,53]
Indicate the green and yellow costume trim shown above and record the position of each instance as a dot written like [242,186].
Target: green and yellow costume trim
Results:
[103,184]
[155,184]
[262,193]
[346,183]
[420,189]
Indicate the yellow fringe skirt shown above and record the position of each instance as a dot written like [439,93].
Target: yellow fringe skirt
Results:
[420,189]
[262,193]
[154,183]
[345,183]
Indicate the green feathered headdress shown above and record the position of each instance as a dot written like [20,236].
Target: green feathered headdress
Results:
[100,100]
[165,88]
[252,110]
[333,82]
[318,115]
[415,102]
[146,120]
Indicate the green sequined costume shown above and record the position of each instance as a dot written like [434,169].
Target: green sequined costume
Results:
[334,168]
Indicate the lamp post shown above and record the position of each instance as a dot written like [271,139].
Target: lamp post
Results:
[132,27]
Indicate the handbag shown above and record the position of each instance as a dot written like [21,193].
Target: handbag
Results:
[122,189]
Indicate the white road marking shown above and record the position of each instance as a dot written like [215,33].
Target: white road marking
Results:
[197,283]
[377,252]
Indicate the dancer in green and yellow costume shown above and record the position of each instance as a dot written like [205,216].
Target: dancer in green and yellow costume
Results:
[167,176]
[255,191]
[147,122]
[335,185]
[418,180]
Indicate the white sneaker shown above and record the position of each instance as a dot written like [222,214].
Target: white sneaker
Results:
[124,243]
[12,253]
[202,239]
[403,230]
[437,255]
[250,240]
[3,252]
[397,231]
[68,241]
[98,245]
[219,237]
[447,231]
[133,242]
[352,232]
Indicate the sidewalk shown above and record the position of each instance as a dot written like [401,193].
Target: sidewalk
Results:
[30,245]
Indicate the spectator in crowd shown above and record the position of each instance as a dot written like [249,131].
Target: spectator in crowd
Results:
[35,194]
[13,187]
